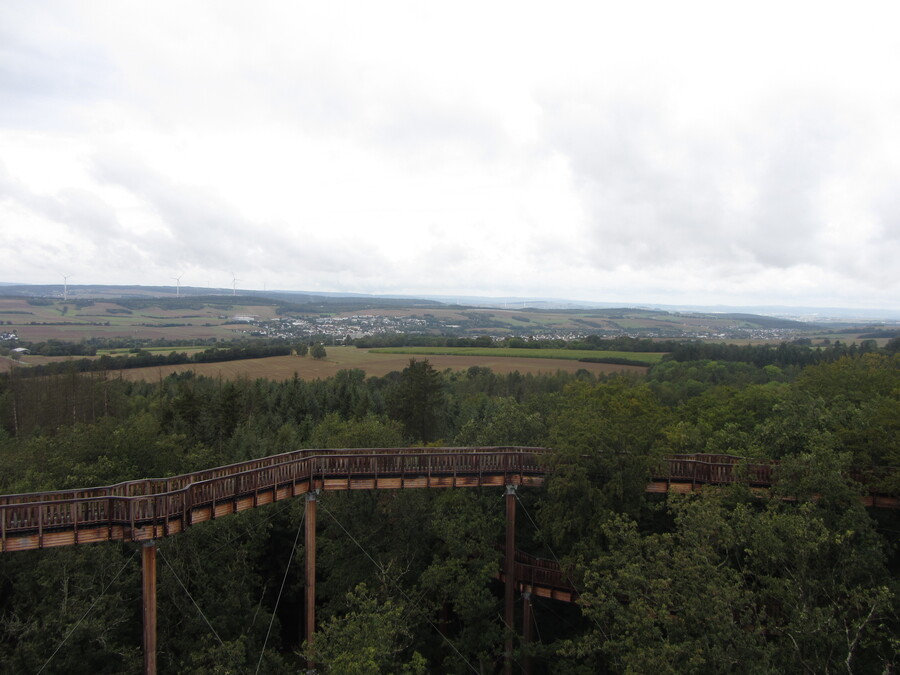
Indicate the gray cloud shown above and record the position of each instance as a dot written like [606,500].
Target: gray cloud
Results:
[47,71]
[739,199]
[364,153]
[83,212]
[201,228]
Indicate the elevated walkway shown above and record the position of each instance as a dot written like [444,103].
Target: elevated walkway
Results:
[152,508]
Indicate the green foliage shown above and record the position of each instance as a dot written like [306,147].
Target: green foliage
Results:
[368,432]
[503,421]
[45,597]
[317,351]
[738,588]
[803,581]
[417,400]
[371,637]
[607,437]
[463,561]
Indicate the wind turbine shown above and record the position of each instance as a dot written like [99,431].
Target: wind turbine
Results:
[234,281]
[178,285]
[65,286]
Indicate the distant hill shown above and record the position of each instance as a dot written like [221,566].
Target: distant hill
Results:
[777,316]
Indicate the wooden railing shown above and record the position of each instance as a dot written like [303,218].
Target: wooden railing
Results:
[534,571]
[715,469]
[134,504]
[124,508]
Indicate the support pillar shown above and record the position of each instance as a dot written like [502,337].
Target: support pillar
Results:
[509,607]
[148,568]
[527,631]
[310,568]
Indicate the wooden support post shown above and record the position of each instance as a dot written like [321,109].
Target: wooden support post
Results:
[527,631]
[310,568]
[509,608]
[148,566]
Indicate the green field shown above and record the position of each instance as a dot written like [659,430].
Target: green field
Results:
[648,358]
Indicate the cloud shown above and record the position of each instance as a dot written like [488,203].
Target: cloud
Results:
[588,152]
[199,227]
[733,200]
[48,82]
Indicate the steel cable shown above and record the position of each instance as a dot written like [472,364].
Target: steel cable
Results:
[399,588]
[88,611]
[281,590]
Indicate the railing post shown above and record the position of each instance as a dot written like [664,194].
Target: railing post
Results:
[310,570]
[148,567]
[509,608]
[527,630]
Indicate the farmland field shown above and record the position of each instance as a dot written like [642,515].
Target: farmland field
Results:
[69,321]
[649,358]
[374,364]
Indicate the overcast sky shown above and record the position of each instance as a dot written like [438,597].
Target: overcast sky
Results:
[668,152]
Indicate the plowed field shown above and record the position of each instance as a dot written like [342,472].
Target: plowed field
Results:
[343,358]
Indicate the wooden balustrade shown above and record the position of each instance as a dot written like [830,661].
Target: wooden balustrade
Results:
[134,504]
[152,502]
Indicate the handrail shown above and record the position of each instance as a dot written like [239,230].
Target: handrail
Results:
[153,503]
[173,483]
[97,507]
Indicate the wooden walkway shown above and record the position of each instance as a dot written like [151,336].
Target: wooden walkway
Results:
[148,509]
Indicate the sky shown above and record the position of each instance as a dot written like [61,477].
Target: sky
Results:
[641,152]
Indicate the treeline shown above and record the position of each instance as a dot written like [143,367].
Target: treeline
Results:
[725,581]
[622,343]
[784,354]
[91,346]
[140,358]
[798,353]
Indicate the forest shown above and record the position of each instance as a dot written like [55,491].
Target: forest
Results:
[801,579]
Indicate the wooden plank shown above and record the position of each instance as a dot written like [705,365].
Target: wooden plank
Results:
[264,497]
[243,504]
[26,543]
[201,515]
[93,535]
[362,484]
[563,596]
[388,483]
[224,509]
[145,533]
[335,484]
[52,539]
